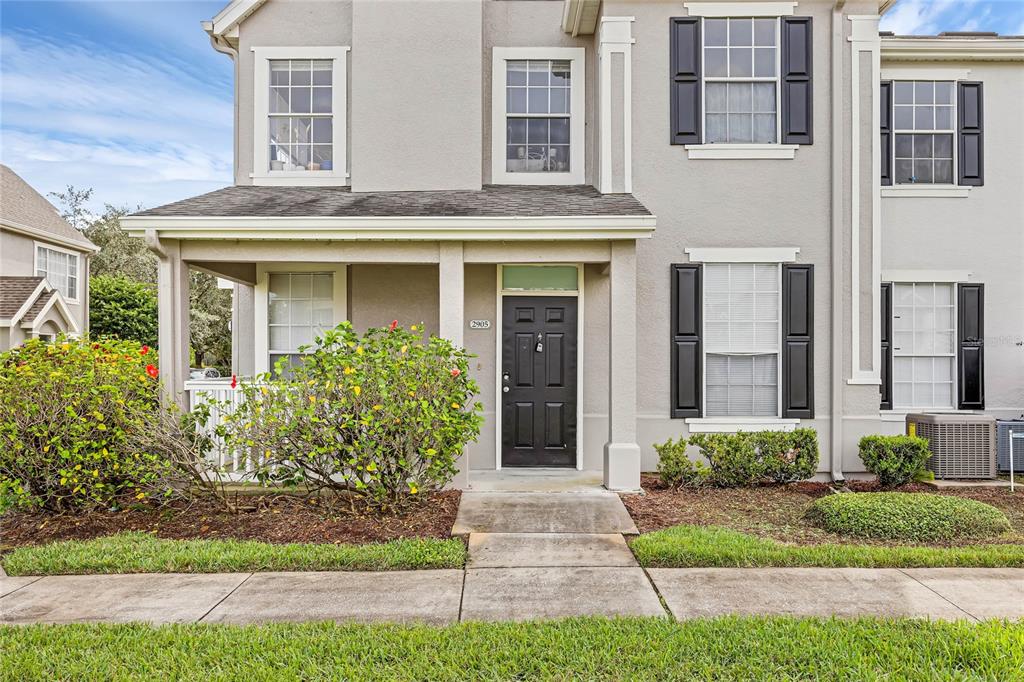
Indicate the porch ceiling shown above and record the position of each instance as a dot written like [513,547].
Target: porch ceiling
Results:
[499,212]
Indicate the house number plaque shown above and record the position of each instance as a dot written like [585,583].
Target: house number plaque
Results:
[479,324]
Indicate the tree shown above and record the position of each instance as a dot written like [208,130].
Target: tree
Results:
[72,206]
[122,308]
[119,254]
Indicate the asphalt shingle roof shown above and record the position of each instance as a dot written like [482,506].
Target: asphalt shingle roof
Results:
[14,291]
[21,204]
[490,201]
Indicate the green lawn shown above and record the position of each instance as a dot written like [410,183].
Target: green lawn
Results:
[581,649]
[145,553]
[682,546]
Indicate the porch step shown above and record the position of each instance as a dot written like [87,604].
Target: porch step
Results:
[538,550]
[593,512]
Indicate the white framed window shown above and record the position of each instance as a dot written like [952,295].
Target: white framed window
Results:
[300,119]
[924,345]
[924,129]
[300,307]
[537,115]
[741,80]
[742,339]
[60,268]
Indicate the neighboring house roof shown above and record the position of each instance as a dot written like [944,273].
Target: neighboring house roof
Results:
[490,201]
[25,300]
[25,210]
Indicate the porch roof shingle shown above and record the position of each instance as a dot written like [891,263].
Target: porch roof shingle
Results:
[14,291]
[341,202]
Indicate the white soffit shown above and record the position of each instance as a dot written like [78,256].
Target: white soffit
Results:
[740,9]
[756,254]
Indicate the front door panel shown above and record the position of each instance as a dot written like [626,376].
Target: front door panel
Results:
[538,419]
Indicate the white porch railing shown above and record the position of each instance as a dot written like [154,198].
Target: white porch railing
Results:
[223,400]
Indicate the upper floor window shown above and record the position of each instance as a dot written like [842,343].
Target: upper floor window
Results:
[60,268]
[924,123]
[299,131]
[741,88]
[537,116]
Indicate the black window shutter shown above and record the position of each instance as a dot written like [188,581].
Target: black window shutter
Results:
[886,388]
[684,80]
[970,351]
[885,117]
[687,361]
[970,134]
[797,112]
[798,341]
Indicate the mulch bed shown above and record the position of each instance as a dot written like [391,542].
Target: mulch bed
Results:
[279,519]
[777,511]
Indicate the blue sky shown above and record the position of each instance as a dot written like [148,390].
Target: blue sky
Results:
[128,97]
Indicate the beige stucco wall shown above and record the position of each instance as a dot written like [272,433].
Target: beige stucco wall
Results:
[983,233]
[378,294]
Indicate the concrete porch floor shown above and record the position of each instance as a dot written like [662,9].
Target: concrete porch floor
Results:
[535,480]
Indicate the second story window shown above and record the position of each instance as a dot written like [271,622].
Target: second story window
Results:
[299,126]
[741,80]
[924,123]
[60,268]
[537,116]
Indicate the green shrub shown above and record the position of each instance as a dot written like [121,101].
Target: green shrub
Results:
[788,456]
[76,422]
[122,308]
[896,460]
[732,458]
[916,517]
[384,415]
[676,469]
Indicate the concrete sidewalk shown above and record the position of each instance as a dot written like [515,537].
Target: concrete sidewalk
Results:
[521,593]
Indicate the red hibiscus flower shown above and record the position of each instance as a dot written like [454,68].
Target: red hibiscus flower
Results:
[456,372]
[144,350]
[234,381]
[152,371]
[394,323]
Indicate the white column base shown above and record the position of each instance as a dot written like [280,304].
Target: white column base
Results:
[622,467]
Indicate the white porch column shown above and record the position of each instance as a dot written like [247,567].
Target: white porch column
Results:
[172,315]
[621,452]
[451,290]
[243,330]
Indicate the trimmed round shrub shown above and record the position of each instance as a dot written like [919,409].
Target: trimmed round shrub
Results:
[788,457]
[383,416]
[896,460]
[913,517]
[76,418]
[676,469]
[743,458]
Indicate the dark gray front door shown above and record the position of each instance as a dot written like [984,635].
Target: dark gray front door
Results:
[538,381]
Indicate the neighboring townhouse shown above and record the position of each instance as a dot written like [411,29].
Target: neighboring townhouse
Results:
[645,218]
[44,267]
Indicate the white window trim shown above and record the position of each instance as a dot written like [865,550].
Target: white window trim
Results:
[734,424]
[926,276]
[78,268]
[928,191]
[261,312]
[911,73]
[756,254]
[924,189]
[740,9]
[577,115]
[955,384]
[262,175]
[734,150]
[742,419]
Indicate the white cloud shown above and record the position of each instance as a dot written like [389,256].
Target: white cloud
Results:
[910,17]
[139,128]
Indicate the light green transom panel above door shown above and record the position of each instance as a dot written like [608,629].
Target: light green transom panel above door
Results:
[539,278]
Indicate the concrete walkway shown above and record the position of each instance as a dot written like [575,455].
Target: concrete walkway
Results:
[530,556]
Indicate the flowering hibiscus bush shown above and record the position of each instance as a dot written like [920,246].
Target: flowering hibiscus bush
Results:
[78,423]
[379,417]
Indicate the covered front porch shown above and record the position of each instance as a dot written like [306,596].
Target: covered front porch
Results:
[495,287]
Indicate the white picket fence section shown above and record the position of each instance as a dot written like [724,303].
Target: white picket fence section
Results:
[223,400]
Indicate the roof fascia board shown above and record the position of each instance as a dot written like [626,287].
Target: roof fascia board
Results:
[232,15]
[43,286]
[45,236]
[952,49]
[62,307]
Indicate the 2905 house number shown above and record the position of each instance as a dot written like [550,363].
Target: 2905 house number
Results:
[479,324]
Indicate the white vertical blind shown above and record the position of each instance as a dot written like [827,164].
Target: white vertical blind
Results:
[301,307]
[741,330]
[924,344]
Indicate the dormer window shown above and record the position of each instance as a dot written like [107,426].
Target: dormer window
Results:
[537,116]
[300,116]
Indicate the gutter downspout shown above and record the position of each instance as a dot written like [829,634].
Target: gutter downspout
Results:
[836,265]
